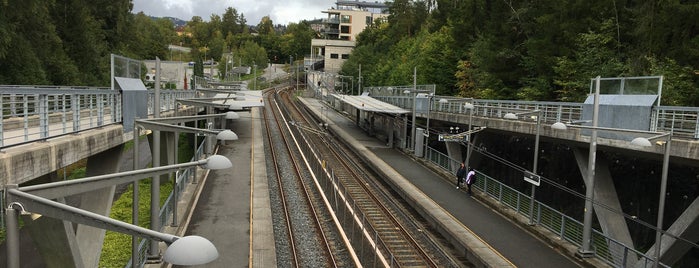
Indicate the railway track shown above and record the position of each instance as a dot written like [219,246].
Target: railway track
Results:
[317,247]
[387,236]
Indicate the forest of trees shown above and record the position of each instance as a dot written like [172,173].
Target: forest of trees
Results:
[61,42]
[532,50]
[527,50]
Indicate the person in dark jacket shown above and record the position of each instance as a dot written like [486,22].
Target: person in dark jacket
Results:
[460,174]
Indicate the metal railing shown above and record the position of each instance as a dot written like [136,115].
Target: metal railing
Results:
[347,210]
[35,113]
[683,122]
[566,228]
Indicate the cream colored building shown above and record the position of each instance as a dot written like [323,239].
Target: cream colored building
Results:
[345,21]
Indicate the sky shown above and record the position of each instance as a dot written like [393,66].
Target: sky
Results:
[280,11]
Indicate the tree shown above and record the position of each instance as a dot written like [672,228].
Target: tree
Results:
[230,22]
[266,26]
[295,41]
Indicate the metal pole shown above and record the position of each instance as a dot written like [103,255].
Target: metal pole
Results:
[468,147]
[12,236]
[584,250]
[155,181]
[661,202]
[134,204]
[534,168]
[427,129]
[413,134]
[174,199]
[359,87]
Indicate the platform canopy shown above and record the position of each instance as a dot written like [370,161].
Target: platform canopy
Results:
[369,104]
[242,99]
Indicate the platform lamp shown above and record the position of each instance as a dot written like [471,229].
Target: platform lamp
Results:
[165,124]
[35,201]
[640,142]
[513,116]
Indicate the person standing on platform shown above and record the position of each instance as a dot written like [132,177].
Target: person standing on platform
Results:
[460,175]
[470,179]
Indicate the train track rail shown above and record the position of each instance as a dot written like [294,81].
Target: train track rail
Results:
[388,233]
[286,154]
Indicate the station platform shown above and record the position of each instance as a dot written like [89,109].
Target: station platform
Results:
[470,221]
[233,209]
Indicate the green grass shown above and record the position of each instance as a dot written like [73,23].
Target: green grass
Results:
[116,250]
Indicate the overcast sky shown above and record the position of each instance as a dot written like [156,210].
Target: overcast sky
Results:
[280,11]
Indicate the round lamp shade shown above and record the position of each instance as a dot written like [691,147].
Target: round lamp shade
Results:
[641,142]
[232,115]
[227,135]
[191,250]
[218,162]
[510,116]
[559,126]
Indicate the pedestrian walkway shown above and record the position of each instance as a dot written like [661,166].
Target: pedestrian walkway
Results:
[234,203]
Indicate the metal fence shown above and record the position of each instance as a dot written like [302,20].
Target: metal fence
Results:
[32,113]
[683,122]
[566,228]
[183,179]
[354,221]
[37,113]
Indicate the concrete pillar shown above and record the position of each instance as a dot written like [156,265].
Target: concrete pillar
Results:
[64,244]
[612,223]
[419,142]
[404,133]
[54,240]
[454,152]
[390,127]
[687,227]
[90,239]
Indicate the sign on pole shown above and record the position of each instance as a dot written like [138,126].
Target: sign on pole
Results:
[532,178]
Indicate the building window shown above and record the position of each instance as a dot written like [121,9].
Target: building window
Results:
[333,55]
[344,37]
[345,56]
[346,19]
[345,29]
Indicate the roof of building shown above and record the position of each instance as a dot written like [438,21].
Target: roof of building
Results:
[367,103]
[361,4]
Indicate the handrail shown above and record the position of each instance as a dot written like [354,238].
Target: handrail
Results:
[565,227]
[683,122]
[36,113]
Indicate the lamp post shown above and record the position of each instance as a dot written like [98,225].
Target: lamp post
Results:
[469,106]
[642,142]
[164,124]
[536,156]
[36,200]
[427,127]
